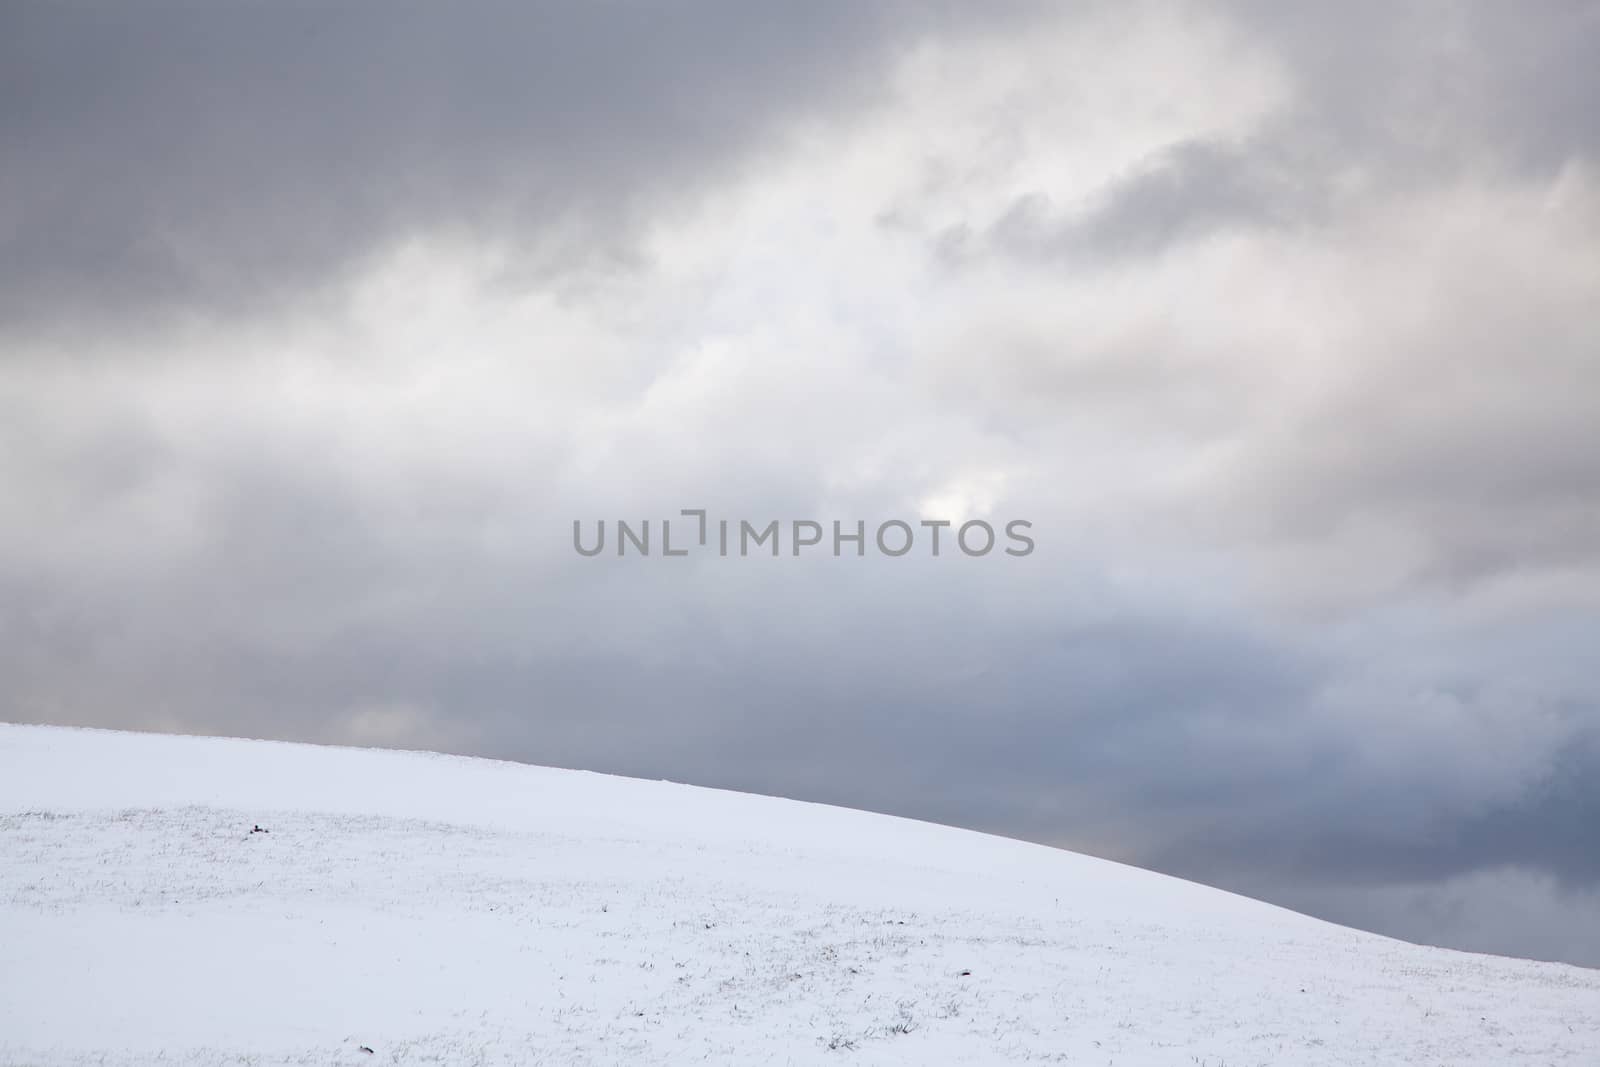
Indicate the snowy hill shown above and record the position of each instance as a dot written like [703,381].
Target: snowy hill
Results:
[436,909]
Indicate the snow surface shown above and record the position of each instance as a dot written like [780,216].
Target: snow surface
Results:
[437,909]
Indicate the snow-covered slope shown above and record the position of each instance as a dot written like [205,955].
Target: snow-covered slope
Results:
[444,910]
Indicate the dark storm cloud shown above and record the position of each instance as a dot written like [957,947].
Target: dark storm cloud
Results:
[1331,823]
[213,158]
[1551,828]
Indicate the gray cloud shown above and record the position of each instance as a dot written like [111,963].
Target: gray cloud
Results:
[1442,83]
[1190,189]
[1379,225]
[1385,96]
[1508,912]
[167,159]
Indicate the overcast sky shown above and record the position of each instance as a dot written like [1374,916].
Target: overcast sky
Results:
[320,326]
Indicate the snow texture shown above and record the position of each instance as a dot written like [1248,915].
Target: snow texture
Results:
[436,909]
